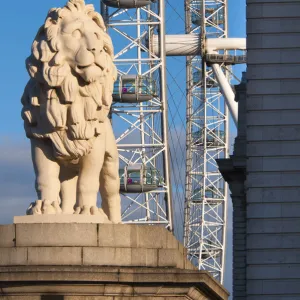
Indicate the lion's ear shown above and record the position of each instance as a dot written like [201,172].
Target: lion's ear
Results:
[97,19]
[72,6]
[89,8]
[49,22]
[52,17]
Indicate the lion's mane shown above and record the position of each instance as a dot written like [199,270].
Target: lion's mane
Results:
[57,104]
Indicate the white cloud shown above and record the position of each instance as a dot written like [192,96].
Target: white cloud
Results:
[16,178]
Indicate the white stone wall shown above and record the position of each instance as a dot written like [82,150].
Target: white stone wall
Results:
[273,149]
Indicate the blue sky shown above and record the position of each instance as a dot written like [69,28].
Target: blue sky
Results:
[20,21]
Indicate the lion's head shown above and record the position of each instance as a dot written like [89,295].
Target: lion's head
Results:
[73,39]
[72,75]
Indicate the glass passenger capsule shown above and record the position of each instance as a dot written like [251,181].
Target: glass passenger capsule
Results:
[213,139]
[127,3]
[211,82]
[215,15]
[225,58]
[209,249]
[138,178]
[210,193]
[134,88]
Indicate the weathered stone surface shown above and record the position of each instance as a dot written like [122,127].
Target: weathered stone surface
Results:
[152,237]
[50,256]
[113,245]
[7,235]
[127,281]
[172,242]
[188,265]
[120,290]
[135,236]
[54,256]
[107,256]
[144,257]
[119,235]
[170,258]
[56,235]
[181,249]
[20,297]
[60,219]
[88,298]
[13,256]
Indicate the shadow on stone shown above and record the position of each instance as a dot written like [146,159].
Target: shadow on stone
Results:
[52,297]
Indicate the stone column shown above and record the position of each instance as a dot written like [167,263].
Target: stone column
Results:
[234,173]
[239,239]
[235,178]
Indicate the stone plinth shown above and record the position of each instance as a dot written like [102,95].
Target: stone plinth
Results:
[61,219]
[93,261]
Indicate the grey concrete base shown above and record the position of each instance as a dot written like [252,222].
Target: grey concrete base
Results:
[86,219]
[98,261]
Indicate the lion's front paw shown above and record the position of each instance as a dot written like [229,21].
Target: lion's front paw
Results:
[35,208]
[77,210]
[87,210]
[48,209]
[92,210]
[95,210]
[40,207]
[57,207]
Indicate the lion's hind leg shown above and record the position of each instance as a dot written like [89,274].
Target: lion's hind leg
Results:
[109,178]
[109,190]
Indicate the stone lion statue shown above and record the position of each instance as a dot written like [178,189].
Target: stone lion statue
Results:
[65,110]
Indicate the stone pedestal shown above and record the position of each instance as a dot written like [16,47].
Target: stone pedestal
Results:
[98,262]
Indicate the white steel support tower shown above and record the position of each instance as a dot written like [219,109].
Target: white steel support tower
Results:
[207,115]
[139,110]
[207,140]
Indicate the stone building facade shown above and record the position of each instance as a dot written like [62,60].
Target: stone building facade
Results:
[265,178]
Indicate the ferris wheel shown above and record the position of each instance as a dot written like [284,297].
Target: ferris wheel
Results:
[140,117]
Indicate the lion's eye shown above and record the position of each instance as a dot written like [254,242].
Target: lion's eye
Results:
[77,34]
[97,35]
[107,50]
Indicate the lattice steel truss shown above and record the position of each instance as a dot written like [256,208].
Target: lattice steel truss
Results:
[141,127]
[207,140]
